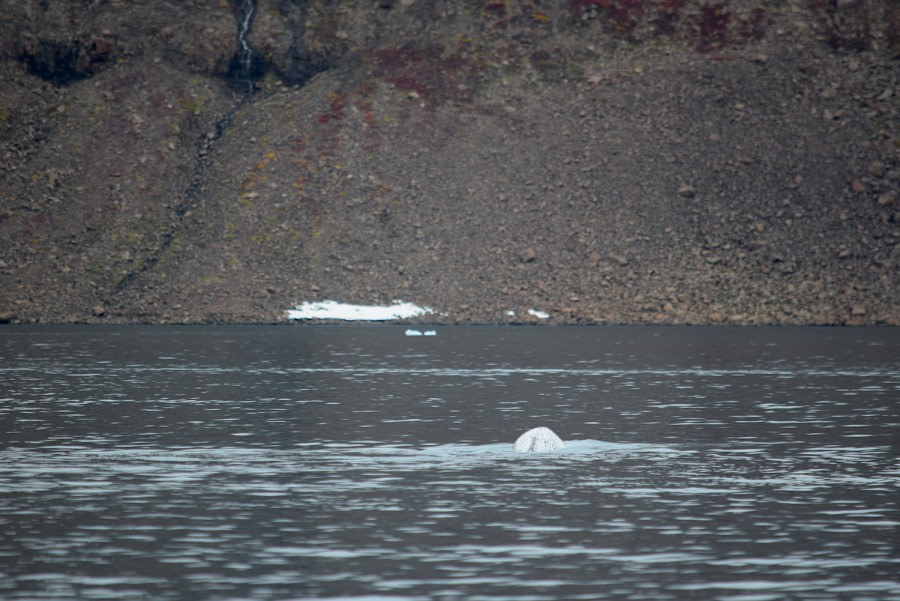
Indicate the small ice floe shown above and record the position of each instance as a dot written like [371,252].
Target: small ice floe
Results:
[420,333]
[347,312]
[538,314]
[538,440]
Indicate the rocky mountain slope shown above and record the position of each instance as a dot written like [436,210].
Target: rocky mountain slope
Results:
[627,161]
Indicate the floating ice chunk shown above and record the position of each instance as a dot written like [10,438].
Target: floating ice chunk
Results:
[348,312]
[430,333]
[538,440]
[411,332]
[538,314]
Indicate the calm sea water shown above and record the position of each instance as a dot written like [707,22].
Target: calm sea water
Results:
[197,463]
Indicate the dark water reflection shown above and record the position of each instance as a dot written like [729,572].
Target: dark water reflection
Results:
[345,462]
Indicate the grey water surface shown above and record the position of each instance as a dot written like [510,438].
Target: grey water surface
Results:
[348,462]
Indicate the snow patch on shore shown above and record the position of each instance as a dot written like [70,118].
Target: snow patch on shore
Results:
[348,312]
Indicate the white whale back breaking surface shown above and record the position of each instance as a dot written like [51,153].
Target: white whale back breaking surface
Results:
[538,440]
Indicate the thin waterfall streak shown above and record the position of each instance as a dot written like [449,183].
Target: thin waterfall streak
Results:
[243,33]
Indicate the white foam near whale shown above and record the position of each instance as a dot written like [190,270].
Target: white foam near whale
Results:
[538,440]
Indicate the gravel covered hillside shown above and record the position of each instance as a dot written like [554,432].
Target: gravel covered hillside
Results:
[623,161]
